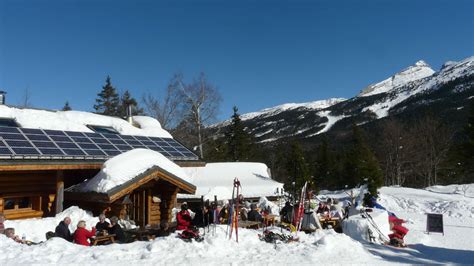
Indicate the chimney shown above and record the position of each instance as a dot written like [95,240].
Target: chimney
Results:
[2,97]
[129,114]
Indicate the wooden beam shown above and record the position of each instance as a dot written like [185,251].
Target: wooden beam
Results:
[30,167]
[59,191]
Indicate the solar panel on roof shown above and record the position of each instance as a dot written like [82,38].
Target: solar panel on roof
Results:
[31,131]
[18,143]
[9,129]
[12,136]
[73,152]
[61,138]
[88,146]
[54,143]
[5,151]
[25,151]
[44,144]
[37,137]
[51,151]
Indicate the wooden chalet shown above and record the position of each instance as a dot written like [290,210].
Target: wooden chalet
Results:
[147,199]
[40,157]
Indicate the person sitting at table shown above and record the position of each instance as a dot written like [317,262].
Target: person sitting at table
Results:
[10,233]
[183,217]
[224,214]
[286,213]
[82,235]
[62,230]
[253,214]
[102,225]
[322,208]
[2,226]
[116,229]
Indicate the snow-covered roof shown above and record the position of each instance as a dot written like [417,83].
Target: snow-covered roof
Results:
[78,121]
[125,167]
[217,179]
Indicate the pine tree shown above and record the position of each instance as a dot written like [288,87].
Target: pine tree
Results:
[297,168]
[67,107]
[361,166]
[127,100]
[325,171]
[108,100]
[239,142]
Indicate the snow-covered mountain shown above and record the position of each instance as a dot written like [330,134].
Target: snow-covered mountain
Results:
[447,91]
[418,71]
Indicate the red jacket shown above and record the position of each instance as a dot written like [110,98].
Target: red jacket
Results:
[81,235]
[184,220]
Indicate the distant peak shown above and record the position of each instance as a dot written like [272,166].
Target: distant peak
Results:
[412,73]
[421,63]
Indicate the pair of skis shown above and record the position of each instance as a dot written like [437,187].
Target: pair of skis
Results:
[298,216]
[234,211]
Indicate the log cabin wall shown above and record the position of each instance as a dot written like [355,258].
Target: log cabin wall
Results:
[28,194]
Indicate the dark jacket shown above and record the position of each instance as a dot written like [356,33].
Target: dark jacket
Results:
[254,216]
[286,213]
[118,232]
[62,230]
[201,221]
[102,226]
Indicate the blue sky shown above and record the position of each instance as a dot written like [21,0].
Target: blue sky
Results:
[258,53]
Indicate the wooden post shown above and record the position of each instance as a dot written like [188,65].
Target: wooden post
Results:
[59,191]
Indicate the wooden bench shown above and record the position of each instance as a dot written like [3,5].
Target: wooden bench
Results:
[249,224]
[103,239]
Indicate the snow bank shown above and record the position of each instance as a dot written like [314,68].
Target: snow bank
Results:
[78,121]
[35,229]
[126,166]
[219,178]
[357,226]
[265,204]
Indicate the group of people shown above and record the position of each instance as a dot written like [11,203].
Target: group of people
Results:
[82,236]
[210,214]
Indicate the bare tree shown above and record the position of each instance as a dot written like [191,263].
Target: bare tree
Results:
[26,101]
[395,150]
[168,110]
[432,146]
[201,103]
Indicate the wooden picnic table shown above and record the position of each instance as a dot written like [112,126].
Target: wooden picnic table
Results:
[103,239]
[143,233]
[249,224]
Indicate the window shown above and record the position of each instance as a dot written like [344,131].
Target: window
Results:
[103,129]
[18,203]
[8,122]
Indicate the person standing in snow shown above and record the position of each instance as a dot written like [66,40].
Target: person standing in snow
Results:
[286,213]
[62,230]
[183,217]
[82,235]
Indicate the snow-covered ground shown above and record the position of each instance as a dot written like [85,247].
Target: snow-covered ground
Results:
[322,247]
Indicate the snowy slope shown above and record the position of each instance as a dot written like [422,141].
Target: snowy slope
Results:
[399,94]
[78,121]
[418,71]
[325,247]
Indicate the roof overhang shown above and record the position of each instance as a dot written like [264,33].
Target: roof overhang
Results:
[154,173]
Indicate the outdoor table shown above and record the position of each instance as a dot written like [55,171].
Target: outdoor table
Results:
[329,221]
[249,224]
[270,219]
[143,233]
[103,239]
